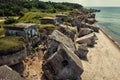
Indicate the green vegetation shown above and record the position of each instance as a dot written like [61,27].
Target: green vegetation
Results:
[19,7]
[34,17]
[1,28]
[1,31]
[28,11]
[10,44]
[10,21]
[67,23]
[49,27]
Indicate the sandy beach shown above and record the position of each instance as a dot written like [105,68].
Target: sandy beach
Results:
[103,60]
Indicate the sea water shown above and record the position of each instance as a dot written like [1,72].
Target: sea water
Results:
[109,20]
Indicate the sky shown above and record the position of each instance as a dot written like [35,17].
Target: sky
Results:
[91,2]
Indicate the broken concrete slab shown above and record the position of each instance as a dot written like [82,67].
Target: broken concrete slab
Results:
[81,51]
[63,65]
[63,39]
[90,20]
[6,73]
[84,31]
[48,20]
[67,32]
[52,48]
[88,39]
[91,15]
[91,26]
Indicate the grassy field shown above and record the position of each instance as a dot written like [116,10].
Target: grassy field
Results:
[34,17]
[10,44]
[46,27]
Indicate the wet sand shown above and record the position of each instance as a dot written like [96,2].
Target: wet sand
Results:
[103,60]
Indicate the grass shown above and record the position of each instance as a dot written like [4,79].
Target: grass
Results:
[34,17]
[47,27]
[1,24]
[1,28]
[67,23]
[1,31]
[10,44]
[15,17]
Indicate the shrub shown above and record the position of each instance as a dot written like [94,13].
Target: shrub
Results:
[10,21]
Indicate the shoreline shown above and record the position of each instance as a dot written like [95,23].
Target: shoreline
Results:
[102,60]
[109,37]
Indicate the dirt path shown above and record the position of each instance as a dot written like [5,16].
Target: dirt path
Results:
[33,67]
[103,61]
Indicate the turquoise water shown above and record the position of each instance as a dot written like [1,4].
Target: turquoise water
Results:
[109,20]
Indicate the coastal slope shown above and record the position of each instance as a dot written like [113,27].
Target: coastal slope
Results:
[103,60]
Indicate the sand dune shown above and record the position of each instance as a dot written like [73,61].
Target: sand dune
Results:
[103,60]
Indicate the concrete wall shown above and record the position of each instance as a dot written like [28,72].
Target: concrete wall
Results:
[63,66]
[47,21]
[61,19]
[31,33]
[25,32]
[12,32]
[13,58]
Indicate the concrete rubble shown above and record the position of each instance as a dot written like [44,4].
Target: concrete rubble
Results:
[63,65]
[67,32]
[81,51]
[63,48]
[68,63]
[84,31]
[91,26]
[6,73]
[90,20]
[87,39]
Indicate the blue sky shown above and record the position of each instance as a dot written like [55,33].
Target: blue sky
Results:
[91,2]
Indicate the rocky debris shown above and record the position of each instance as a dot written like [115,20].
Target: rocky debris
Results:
[42,47]
[61,18]
[87,11]
[62,56]
[84,18]
[63,65]
[6,73]
[87,39]
[62,49]
[91,26]
[52,48]
[48,20]
[81,51]
[61,38]
[91,16]
[54,40]
[61,62]
[32,66]
[66,31]
[76,21]
[84,31]
[90,20]
[14,58]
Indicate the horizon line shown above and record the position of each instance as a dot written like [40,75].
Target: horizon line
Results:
[101,6]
